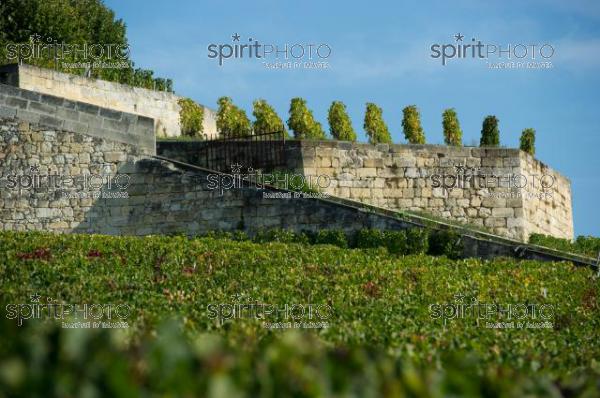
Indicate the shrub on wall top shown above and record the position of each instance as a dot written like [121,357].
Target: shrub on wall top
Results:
[340,125]
[527,143]
[490,135]
[302,121]
[191,116]
[231,120]
[266,119]
[452,131]
[375,127]
[411,123]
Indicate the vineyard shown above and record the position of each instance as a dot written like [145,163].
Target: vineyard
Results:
[199,311]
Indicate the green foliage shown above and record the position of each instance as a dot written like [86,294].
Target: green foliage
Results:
[527,141]
[411,241]
[231,120]
[73,23]
[452,131]
[417,240]
[302,122]
[375,127]
[490,135]
[585,245]
[445,242]
[411,123]
[238,236]
[381,303]
[334,237]
[266,119]
[280,235]
[184,138]
[340,125]
[40,360]
[369,238]
[191,116]
[395,242]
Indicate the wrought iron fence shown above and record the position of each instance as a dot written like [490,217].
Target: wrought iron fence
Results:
[259,151]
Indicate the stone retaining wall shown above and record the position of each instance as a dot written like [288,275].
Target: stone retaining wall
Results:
[59,181]
[161,106]
[502,190]
[60,113]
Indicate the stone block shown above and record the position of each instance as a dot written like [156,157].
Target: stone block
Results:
[75,127]
[370,162]
[464,203]
[324,161]
[110,114]
[515,223]
[366,172]
[436,202]
[502,212]
[426,192]
[7,112]
[493,202]
[408,192]
[412,172]
[16,103]
[484,212]
[88,108]
[408,161]
[495,222]
[404,203]
[65,113]
[457,212]
[492,162]
[42,108]
[30,95]
[456,193]
[50,121]
[52,100]
[439,192]
[471,212]
[514,202]
[31,117]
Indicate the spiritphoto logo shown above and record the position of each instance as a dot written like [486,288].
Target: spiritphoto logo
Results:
[272,56]
[238,178]
[274,316]
[73,316]
[496,315]
[86,185]
[538,185]
[71,55]
[496,56]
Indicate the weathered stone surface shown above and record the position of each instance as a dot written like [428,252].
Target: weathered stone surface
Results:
[161,198]
[84,118]
[100,98]
[471,184]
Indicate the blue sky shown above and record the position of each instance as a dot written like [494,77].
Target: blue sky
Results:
[381,53]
